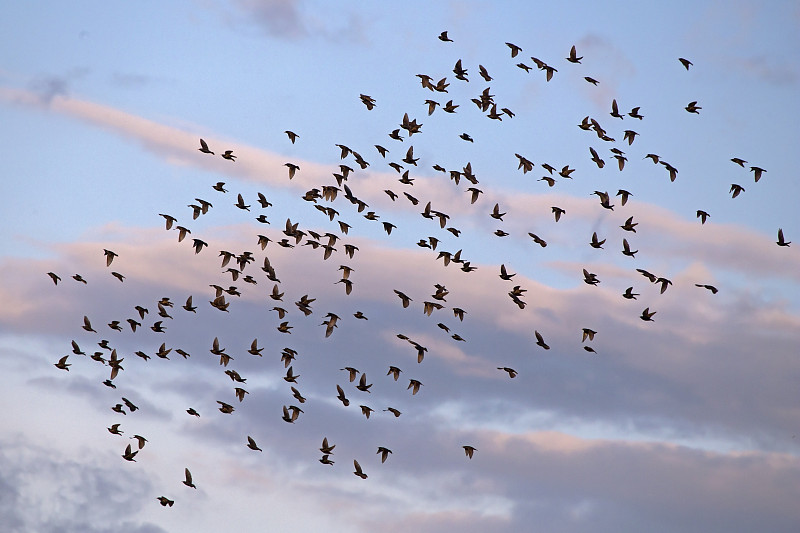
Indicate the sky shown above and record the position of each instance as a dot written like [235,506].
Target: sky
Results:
[685,423]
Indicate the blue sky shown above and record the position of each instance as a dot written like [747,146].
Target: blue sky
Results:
[687,423]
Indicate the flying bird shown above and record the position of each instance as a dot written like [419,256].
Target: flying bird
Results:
[62,364]
[540,340]
[164,501]
[252,444]
[514,49]
[204,148]
[384,453]
[692,107]
[757,172]
[360,473]
[129,454]
[781,241]
[573,56]
[711,288]
[647,315]
[511,372]
[188,480]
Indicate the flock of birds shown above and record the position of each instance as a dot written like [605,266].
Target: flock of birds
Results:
[331,242]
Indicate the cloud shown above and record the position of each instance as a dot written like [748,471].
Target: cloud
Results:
[686,382]
[294,20]
[767,70]
[680,239]
[44,491]
[48,87]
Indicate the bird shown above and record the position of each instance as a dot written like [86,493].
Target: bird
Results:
[757,172]
[664,283]
[511,372]
[340,395]
[647,315]
[326,448]
[129,404]
[557,211]
[188,480]
[164,501]
[292,135]
[204,148]
[702,215]
[629,294]
[229,155]
[469,450]
[573,56]
[224,407]
[540,340]
[781,241]
[292,169]
[358,470]
[405,299]
[692,107]
[685,62]
[630,225]
[362,384]
[648,275]
[711,288]
[496,214]
[139,439]
[514,49]
[444,38]
[591,80]
[62,363]
[290,377]
[504,275]
[368,101]
[88,325]
[199,245]
[384,453]
[538,240]
[588,333]
[626,249]
[252,444]
[414,385]
[615,110]
[736,190]
[596,243]
[129,454]
[589,278]
[254,349]
[394,372]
